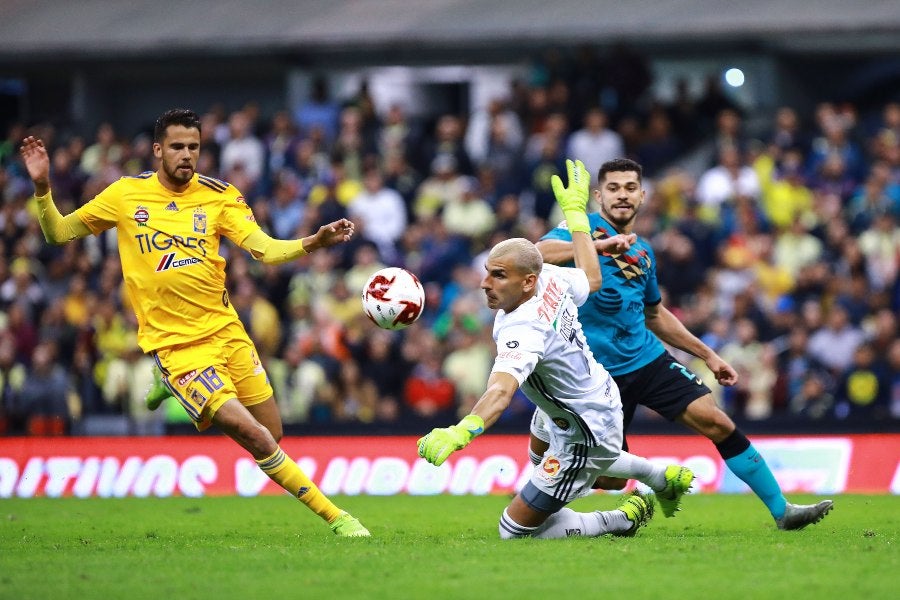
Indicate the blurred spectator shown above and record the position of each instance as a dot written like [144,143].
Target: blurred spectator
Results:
[286,210]
[725,182]
[755,364]
[862,389]
[280,143]
[13,412]
[880,244]
[104,152]
[45,394]
[380,214]
[428,393]
[470,216]
[595,143]
[442,187]
[319,113]
[446,141]
[834,344]
[243,152]
[484,125]
[813,400]
[893,378]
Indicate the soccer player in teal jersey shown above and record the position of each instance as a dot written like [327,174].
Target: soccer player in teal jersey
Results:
[625,324]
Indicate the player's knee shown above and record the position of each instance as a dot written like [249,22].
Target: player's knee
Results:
[258,440]
[609,483]
[537,446]
[277,434]
[706,418]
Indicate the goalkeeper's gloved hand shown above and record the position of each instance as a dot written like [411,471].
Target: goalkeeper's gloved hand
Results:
[573,199]
[436,446]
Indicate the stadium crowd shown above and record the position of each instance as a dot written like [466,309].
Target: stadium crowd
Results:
[782,254]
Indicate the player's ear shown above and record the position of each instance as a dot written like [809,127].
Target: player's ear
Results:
[157,149]
[529,282]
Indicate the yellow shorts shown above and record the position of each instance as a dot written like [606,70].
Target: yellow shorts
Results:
[205,374]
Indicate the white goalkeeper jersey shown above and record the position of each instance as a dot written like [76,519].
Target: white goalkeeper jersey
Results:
[541,344]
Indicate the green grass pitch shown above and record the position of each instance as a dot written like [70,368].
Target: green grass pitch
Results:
[437,547]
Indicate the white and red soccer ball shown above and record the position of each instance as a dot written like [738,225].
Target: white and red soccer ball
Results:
[393,298]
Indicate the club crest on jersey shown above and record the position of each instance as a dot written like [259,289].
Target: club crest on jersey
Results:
[199,220]
[141,215]
[561,423]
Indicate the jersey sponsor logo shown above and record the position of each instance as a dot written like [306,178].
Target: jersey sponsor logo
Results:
[516,356]
[168,261]
[551,300]
[141,215]
[550,467]
[199,220]
[162,242]
[182,381]
[172,206]
[512,344]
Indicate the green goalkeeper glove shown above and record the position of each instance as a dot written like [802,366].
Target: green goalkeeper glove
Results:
[573,199]
[436,446]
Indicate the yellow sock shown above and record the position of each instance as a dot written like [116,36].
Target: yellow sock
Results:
[282,469]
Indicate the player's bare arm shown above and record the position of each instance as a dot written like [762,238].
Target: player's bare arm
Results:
[617,244]
[669,329]
[496,398]
[560,252]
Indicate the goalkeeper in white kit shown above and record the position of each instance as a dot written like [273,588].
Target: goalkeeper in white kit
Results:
[541,348]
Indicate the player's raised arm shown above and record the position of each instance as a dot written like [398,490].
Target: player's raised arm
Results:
[271,251]
[57,228]
[573,200]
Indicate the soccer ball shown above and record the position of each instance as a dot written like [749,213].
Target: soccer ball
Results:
[393,298]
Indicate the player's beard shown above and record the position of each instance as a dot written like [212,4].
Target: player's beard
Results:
[619,223]
[179,175]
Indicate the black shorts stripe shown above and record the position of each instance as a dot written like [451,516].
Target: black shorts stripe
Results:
[537,383]
[570,477]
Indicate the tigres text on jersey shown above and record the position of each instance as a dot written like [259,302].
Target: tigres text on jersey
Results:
[169,248]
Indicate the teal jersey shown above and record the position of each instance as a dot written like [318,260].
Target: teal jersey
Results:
[613,316]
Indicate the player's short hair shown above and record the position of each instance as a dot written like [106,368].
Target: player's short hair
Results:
[176,116]
[527,257]
[620,165]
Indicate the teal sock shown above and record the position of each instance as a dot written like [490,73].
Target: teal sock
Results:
[752,469]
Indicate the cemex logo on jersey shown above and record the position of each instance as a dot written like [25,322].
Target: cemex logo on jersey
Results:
[168,261]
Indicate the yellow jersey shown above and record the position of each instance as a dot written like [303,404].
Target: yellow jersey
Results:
[169,249]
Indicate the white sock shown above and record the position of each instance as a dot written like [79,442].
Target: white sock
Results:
[631,466]
[568,523]
[509,529]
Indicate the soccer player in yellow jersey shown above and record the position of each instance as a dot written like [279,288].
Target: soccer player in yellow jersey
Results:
[169,224]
